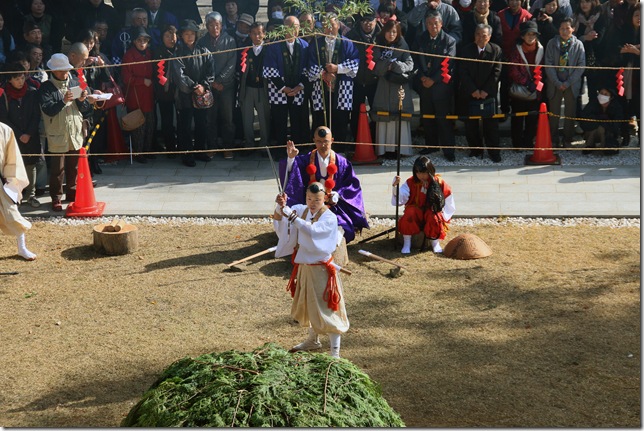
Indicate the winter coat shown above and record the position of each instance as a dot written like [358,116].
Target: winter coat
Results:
[188,72]
[387,98]
[137,94]
[24,118]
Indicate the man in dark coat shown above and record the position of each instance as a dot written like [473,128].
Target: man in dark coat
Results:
[224,86]
[435,90]
[158,19]
[478,83]
[481,14]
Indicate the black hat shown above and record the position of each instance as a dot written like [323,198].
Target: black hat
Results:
[367,16]
[528,26]
[189,24]
[138,32]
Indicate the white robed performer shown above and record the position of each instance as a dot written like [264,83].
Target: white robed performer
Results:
[14,180]
[311,231]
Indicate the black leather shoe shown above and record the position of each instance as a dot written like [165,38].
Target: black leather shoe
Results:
[203,157]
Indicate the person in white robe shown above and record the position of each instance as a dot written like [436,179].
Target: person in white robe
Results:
[311,231]
[14,180]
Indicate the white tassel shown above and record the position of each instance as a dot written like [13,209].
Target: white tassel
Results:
[22,248]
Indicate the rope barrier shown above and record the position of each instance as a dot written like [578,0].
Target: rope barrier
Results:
[267,43]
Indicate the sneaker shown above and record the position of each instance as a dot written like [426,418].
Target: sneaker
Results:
[35,203]
[307,345]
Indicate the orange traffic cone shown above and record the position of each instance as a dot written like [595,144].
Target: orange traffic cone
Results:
[543,154]
[115,139]
[85,204]
[364,145]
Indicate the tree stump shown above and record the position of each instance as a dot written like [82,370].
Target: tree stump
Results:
[116,243]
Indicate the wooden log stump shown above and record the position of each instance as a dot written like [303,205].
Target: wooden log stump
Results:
[125,241]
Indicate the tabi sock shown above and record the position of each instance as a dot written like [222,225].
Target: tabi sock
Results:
[334,341]
[22,248]
[406,249]
[436,246]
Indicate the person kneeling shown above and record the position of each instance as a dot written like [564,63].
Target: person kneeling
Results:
[429,205]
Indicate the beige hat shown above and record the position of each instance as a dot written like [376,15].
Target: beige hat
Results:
[467,246]
[245,18]
[59,62]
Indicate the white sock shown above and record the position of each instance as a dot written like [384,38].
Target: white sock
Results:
[334,341]
[314,337]
[22,248]
[406,244]
[436,246]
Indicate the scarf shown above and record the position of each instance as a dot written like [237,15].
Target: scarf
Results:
[14,93]
[481,18]
[563,54]
[529,48]
[588,22]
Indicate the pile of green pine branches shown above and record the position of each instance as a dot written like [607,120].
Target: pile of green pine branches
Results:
[266,387]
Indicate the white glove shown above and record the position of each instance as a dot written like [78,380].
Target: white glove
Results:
[335,197]
[287,211]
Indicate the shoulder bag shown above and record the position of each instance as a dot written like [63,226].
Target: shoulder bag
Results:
[134,119]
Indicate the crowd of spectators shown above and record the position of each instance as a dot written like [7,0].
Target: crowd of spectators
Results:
[449,52]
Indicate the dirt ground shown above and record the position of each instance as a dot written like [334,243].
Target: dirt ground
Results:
[543,333]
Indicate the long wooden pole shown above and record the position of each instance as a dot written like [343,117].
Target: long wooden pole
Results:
[401,96]
[375,256]
[268,250]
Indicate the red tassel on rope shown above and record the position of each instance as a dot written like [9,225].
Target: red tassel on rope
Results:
[445,70]
[244,54]
[369,57]
[620,82]
[331,293]
[161,72]
[537,78]
[81,79]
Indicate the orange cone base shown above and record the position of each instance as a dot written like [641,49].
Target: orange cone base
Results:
[554,159]
[76,211]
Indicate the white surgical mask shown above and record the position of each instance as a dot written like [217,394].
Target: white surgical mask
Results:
[242,35]
[603,99]
[278,14]
[465,3]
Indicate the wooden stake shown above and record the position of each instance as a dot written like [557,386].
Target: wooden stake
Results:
[268,250]
[375,256]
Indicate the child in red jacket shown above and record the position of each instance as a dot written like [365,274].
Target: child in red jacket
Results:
[429,205]
[139,92]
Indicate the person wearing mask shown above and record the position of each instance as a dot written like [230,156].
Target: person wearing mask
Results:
[564,82]
[223,88]
[604,113]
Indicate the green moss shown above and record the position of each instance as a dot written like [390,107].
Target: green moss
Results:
[266,387]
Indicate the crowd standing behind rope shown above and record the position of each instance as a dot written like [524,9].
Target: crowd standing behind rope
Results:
[327,77]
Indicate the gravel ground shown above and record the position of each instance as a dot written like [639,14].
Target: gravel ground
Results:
[374,222]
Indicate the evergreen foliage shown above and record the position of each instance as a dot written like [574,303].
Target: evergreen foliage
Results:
[266,387]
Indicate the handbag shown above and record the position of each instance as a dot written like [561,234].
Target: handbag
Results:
[521,92]
[483,108]
[133,119]
[205,101]
[117,95]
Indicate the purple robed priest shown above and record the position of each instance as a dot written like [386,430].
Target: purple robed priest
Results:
[349,209]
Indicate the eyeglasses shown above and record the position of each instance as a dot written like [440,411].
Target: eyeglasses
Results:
[314,188]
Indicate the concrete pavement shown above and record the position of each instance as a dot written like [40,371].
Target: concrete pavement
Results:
[245,187]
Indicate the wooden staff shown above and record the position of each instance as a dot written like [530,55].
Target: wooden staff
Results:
[268,250]
[375,256]
[401,96]
[339,268]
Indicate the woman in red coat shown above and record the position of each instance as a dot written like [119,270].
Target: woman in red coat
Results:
[139,92]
